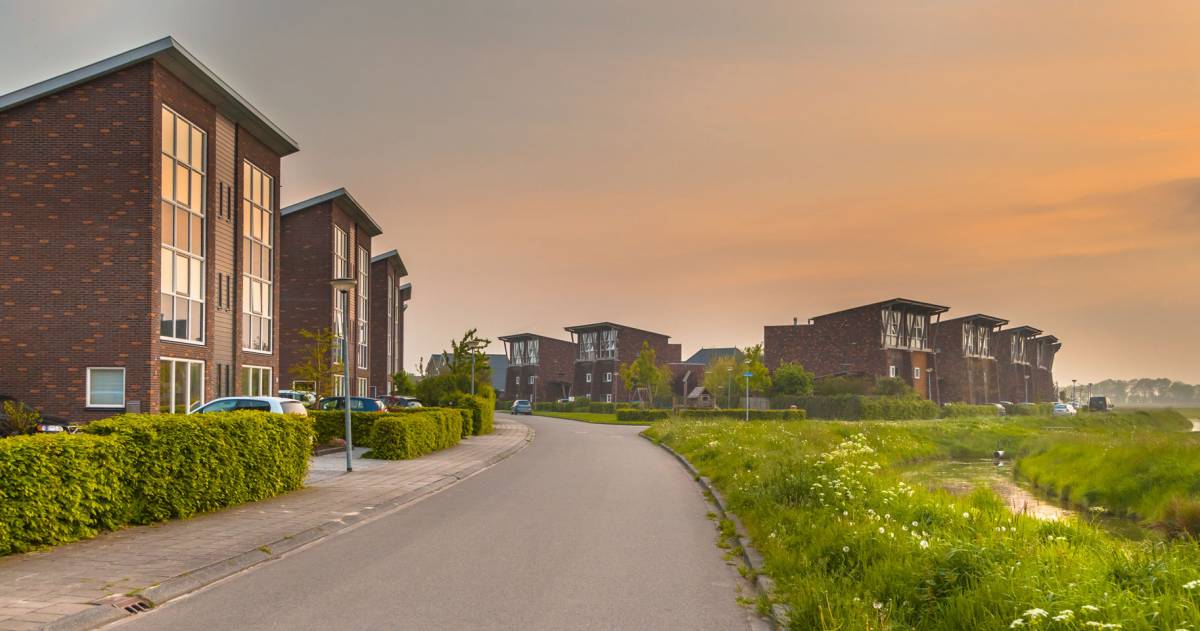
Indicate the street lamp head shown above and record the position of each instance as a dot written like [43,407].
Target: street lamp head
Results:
[343,284]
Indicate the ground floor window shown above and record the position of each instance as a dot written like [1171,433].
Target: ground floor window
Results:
[363,389]
[106,387]
[339,385]
[608,398]
[256,381]
[916,372]
[608,377]
[891,371]
[180,385]
[588,377]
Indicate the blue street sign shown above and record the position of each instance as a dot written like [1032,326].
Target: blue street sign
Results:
[747,374]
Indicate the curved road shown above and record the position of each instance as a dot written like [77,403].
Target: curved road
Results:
[590,527]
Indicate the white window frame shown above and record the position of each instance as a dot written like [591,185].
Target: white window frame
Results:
[187,209]
[608,398]
[257,373]
[916,372]
[339,385]
[258,207]
[532,379]
[189,405]
[588,378]
[518,380]
[88,388]
[891,371]
[608,377]
[362,308]
[363,388]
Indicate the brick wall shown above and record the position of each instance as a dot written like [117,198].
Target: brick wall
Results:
[306,266]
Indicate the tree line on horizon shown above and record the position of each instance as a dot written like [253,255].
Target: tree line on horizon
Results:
[1142,391]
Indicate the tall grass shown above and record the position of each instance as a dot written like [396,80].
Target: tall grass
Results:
[852,546]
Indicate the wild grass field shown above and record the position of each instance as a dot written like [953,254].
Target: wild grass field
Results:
[852,545]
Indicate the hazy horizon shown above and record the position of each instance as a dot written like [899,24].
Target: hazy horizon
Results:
[704,169]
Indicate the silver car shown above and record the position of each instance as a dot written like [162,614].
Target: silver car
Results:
[278,405]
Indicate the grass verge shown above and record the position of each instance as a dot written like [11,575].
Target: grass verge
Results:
[852,546]
[591,417]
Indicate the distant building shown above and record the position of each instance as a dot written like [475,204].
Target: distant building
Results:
[389,300]
[1025,360]
[883,339]
[1044,350]
[601,349]
[540,368]
[327,237]
[706,356]
[967,370]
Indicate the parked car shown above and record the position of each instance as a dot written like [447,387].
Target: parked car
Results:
[357,404]
[522,406]
[278,405]
[400,401]
[1000,410]
[567,400]
[303,396]
[1099,404]
[1063,409]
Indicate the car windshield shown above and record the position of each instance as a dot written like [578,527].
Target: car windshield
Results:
[293,407]
[522,402]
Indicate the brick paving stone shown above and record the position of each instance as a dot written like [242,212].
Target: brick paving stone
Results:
[39,587]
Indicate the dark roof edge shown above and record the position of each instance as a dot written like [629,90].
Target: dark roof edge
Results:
[391,254]
[338,196]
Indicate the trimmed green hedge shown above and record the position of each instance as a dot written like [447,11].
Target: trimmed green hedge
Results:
[853,407]
[582,405]
[1030,409]
[141,468]
[403,436]
[755,415]
[454,423]
[331,424]
[642,415]
[960,410]
[482,409]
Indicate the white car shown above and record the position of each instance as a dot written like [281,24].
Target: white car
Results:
[278,405]
[1063,409]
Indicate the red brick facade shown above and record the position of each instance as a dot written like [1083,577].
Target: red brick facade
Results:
[389,299]
[967,371]
[854,341]
[307,264]
[597,373]
[548,376]
[80,229]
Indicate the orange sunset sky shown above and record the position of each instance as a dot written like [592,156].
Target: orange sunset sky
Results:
[705,168]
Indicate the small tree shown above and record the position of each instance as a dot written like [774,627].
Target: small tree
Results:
[318,366]
[893,387]
[721,379]
[644,372]
[402,384]
[760,377]
[459,359]
[18,419]
[791,379]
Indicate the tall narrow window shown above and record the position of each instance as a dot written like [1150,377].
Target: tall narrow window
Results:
[181,202]
[362,292]
[257,260]
[341,269]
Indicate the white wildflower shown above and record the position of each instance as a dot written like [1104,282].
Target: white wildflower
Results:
[924,544]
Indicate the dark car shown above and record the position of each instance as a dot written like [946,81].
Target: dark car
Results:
[1099,404]
[357,404]
[400,401]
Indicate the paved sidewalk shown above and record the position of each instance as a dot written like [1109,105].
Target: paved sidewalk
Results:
[43,587]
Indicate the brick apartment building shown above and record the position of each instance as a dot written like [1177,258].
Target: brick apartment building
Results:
[389,300]
[1025,359]
[327,237]
[967,370]
[540,368]
[603,347]
[138,198]
[883,339]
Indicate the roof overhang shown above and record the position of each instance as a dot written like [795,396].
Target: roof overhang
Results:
[517,336]
[915,304]
[979,318]
[405,292]
[346,202]
[609,325]
[1024,331]
[180,63]
[392,254]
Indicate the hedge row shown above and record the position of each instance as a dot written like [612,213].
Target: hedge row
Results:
[483,412]
[1030,409]
[141,468]
[642,415]
[581,405]
[858,407]
[755,415]
[959,410]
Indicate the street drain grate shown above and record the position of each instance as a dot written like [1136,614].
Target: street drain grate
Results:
[131,604]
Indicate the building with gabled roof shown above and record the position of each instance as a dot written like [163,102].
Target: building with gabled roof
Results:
[602,348]
[967,370]
[540,368]
[389,300]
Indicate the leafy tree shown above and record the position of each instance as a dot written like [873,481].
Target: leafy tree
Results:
[644,372]
[833,386]
[18,418]
[458,360]
[317,366]
[760,377]
[402,383]
[791,379]
[721,379]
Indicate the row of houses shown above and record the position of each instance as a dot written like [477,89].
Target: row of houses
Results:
[145,262]
[971,358]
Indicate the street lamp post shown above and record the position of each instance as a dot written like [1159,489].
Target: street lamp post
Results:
[746,403]
[343,286]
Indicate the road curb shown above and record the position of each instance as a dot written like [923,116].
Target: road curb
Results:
[188,582]
[763,584]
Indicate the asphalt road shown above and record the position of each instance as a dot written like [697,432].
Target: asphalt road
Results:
[590,527]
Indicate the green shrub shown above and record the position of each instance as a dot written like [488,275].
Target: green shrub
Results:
[331,424]
[962,410]
[898,408]
[404,436]
[56,488]
[504,405]
[852,407]
[642,415]
[482,409]
[755,415]
[187,464]
[454,424]
[1030,409]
